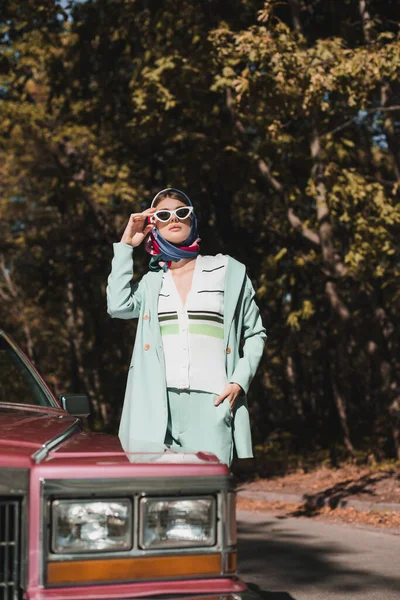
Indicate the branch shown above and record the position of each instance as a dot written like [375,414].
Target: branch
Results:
[386,182]
[325,230]
[6,274]
[351,121]
[366,20]
[297,225]
[262,165]
[336,303]
[389,131]
[3,295]
[265,171]
[295,7]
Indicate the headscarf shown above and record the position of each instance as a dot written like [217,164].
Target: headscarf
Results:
[164,252]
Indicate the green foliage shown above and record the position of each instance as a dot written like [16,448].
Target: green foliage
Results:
[283,126]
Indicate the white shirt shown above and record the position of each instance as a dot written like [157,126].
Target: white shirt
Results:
[193,334]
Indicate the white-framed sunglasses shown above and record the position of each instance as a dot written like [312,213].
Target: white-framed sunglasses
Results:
[181,213]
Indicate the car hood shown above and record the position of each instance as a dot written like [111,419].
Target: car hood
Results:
[25,430]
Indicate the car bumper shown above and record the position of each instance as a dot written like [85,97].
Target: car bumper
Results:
[193,589]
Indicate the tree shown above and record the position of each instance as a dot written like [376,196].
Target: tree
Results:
[280,119]
[308,113]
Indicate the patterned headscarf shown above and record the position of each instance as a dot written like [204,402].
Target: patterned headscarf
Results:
[164,252]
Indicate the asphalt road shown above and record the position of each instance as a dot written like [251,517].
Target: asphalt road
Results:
[301,559]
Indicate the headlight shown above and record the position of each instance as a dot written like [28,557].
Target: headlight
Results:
[172,523]
[87,526]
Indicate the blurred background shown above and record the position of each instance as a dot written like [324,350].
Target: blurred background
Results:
[281,121]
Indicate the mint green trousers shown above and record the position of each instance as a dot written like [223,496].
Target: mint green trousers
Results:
[197,425]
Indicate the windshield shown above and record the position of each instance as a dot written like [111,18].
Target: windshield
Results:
[18,384]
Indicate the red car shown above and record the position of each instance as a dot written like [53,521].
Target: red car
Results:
[82,519]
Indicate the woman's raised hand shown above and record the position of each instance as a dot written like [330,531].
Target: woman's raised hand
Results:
[136,230]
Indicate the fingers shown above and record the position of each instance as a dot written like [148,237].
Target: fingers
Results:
[135,229]
[230,393]
[220,398]
[135,217]
[137,221]
[225,394]
[149,211]
[230,397]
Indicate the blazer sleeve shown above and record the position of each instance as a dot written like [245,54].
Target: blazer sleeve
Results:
[124,298]
[254,336]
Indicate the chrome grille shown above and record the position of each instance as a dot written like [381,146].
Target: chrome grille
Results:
[10,511]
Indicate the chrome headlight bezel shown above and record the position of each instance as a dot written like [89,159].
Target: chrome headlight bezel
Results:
[146,502]
[103,488]
[231,525]
[123,546]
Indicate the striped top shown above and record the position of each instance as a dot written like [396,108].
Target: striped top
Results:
[193,334]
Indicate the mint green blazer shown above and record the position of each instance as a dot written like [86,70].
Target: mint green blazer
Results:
[145,412]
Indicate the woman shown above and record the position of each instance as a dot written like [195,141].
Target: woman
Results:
[199,338]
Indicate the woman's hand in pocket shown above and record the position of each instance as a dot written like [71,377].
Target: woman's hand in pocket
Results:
[230,393]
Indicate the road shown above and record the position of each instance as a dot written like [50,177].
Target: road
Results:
[301,559]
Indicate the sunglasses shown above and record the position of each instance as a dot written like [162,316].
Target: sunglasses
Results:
[181,213]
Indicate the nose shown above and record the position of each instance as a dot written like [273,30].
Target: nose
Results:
[174,218]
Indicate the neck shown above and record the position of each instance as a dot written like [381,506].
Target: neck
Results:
[181,263]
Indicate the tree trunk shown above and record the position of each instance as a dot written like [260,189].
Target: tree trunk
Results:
[74,326]
[14,295]
[340,402]
[380,355]
[292,378]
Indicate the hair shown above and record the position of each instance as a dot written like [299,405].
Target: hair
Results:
[172,195]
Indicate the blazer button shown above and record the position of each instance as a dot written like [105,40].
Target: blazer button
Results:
[146,317]
[228,350]
[147,346]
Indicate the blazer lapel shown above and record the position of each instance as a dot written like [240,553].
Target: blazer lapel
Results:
[235,273]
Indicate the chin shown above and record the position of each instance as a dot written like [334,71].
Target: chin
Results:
[175,237]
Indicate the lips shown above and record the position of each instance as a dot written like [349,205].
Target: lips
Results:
[175,228]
